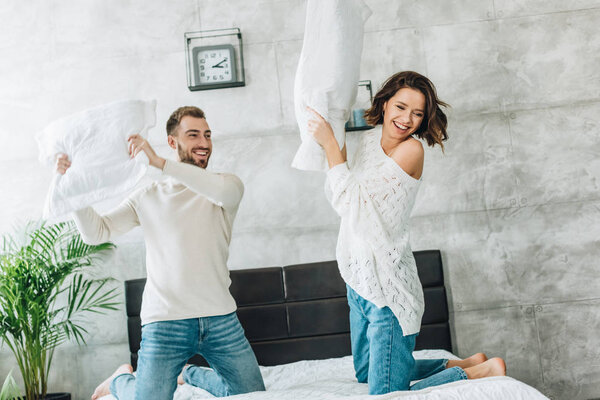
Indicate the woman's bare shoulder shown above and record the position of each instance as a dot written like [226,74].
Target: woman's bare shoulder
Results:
[409,155]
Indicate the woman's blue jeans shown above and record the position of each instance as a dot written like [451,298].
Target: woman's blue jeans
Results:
[167,345]
[383,356]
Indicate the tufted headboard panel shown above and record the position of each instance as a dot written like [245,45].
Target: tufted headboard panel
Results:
[299,312]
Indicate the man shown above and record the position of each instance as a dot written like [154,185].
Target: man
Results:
[186,307]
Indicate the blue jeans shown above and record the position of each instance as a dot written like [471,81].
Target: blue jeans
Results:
[167,345]
[383,356]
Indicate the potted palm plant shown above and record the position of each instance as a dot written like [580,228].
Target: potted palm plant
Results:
[45,290]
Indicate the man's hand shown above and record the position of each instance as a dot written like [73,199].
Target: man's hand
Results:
[62,163]
[137,144]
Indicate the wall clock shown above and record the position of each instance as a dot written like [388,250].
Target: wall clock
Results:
[214,64]
[214,59]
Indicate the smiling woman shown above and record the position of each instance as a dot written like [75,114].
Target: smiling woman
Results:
[432,126]
[374,198]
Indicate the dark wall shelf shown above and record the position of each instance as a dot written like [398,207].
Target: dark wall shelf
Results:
[359,128]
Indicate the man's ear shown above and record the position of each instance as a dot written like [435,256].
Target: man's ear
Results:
[172,142]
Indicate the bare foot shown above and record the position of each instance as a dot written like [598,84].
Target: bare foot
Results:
[472,361]
[104,388]
[492,367]
[180,380]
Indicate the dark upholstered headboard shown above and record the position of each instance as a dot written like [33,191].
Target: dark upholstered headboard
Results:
[299,312]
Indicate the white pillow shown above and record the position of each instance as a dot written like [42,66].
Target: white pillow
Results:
[96,142]
[328,72]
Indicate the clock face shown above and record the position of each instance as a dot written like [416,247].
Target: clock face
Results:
[215,64]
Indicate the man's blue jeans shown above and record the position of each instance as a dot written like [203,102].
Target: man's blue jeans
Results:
[167,345]
[383,356]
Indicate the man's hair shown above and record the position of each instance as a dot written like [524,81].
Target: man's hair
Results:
[175,118]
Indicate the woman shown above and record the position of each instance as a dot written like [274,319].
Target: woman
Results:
[374,199]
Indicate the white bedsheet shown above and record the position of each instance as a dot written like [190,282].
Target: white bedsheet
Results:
[334,379]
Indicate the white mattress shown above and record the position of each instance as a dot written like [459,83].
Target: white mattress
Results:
[334,379]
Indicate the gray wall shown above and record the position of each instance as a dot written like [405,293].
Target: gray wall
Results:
[513,204]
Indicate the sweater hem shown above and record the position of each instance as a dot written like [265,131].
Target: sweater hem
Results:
[176,317]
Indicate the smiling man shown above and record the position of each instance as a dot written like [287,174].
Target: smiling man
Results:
[187,308]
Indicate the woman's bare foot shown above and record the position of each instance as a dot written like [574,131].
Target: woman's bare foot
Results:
[492,367]
[472,361]
[104,388]
[180,380]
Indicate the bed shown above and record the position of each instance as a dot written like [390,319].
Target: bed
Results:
[296,319]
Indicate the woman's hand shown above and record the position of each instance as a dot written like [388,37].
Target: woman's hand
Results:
[320,129]
[62,163]
[323,134]
[137,144]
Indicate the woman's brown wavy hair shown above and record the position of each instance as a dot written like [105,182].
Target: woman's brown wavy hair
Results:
[434,124]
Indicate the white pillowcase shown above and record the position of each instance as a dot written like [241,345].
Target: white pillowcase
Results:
[95,140]
[328,72]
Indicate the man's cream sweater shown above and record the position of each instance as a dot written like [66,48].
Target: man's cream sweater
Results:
[186,221]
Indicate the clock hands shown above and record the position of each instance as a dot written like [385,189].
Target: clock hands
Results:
[219,64]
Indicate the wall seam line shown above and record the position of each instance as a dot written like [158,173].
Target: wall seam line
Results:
[539,343]
[278,82]
[525,305]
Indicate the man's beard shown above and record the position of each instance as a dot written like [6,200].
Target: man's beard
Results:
[188,158]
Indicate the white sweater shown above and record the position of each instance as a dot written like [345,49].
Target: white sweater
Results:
[374,199]
[186,221]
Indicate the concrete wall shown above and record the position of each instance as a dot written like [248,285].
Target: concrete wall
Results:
[513,204]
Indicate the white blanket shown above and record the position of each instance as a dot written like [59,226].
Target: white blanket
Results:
[328,72]
[95,140]
[334,379]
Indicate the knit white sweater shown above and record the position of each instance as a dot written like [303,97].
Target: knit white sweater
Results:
[187,221]
[374,198]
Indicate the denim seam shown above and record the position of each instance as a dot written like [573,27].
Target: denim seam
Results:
[202,329]
[389,358]
[359,306]
[362,310]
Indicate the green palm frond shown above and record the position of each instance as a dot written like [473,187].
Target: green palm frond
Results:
[9,389]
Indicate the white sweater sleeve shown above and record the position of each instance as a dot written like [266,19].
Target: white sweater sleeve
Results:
[95,228]
[224,190]
[342,189]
